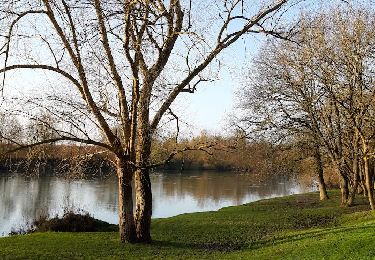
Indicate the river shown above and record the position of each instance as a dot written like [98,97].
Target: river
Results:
[23,199]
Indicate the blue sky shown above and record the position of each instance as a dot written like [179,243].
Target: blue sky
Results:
[210,106]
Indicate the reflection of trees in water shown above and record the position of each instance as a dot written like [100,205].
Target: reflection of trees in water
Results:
[22,199]
[25,199]
[222,186]
[86,194]
[7,202]
[24,195]
[41,197]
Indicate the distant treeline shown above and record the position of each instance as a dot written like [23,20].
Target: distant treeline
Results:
[54,159]
[204,152]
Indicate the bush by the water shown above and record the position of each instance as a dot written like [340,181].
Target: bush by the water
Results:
[70,221]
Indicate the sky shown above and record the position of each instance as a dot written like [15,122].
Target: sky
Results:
[213,103]
[206,109]
[210,107]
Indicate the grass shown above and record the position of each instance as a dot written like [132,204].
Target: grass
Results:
[293,227]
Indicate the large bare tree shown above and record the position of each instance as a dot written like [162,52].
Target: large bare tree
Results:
[115,68]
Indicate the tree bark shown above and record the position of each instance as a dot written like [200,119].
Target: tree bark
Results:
[355,182]
[143,193]
[143,211]
[319,168]
[368,180]
[323,195]
[362,182]
[344,190]
[125,204]
[354,191]
[355,169]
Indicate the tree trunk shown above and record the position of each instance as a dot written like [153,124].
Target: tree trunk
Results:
[125,204]
[355,169]
[143,193]
[354,190]
[355,182]
[323,195]
[368,180]
[362,182]
[344,190]
[143,210]
[344,183]
[319,169]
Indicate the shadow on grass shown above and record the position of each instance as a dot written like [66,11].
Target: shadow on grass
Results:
[231,246]
[209,246]
[309,235]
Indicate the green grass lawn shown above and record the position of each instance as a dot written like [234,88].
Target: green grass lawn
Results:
[293,227]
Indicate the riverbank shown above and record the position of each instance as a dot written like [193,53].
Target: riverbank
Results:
[297,226]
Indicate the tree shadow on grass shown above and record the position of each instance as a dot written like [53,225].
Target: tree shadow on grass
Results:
[206,246]
[310,234]
[232,246]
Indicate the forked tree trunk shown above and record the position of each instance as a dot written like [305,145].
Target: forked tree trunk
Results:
[125,204]
[143,210]
[319,168]
[368,181]
[344,182]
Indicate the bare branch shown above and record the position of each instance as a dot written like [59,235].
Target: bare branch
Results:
[44,67]
[221,45]
[55,140]
[9,36]
[200,147]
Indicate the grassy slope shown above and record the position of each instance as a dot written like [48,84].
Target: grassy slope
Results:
[291,227]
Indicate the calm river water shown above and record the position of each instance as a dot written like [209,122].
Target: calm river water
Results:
[21,199]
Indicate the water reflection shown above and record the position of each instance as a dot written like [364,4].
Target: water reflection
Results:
[24,199]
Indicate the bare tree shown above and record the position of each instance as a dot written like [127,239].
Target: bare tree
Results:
[119,66]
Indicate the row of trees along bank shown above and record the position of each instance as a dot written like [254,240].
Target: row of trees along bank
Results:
[203,152]
[319,87]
